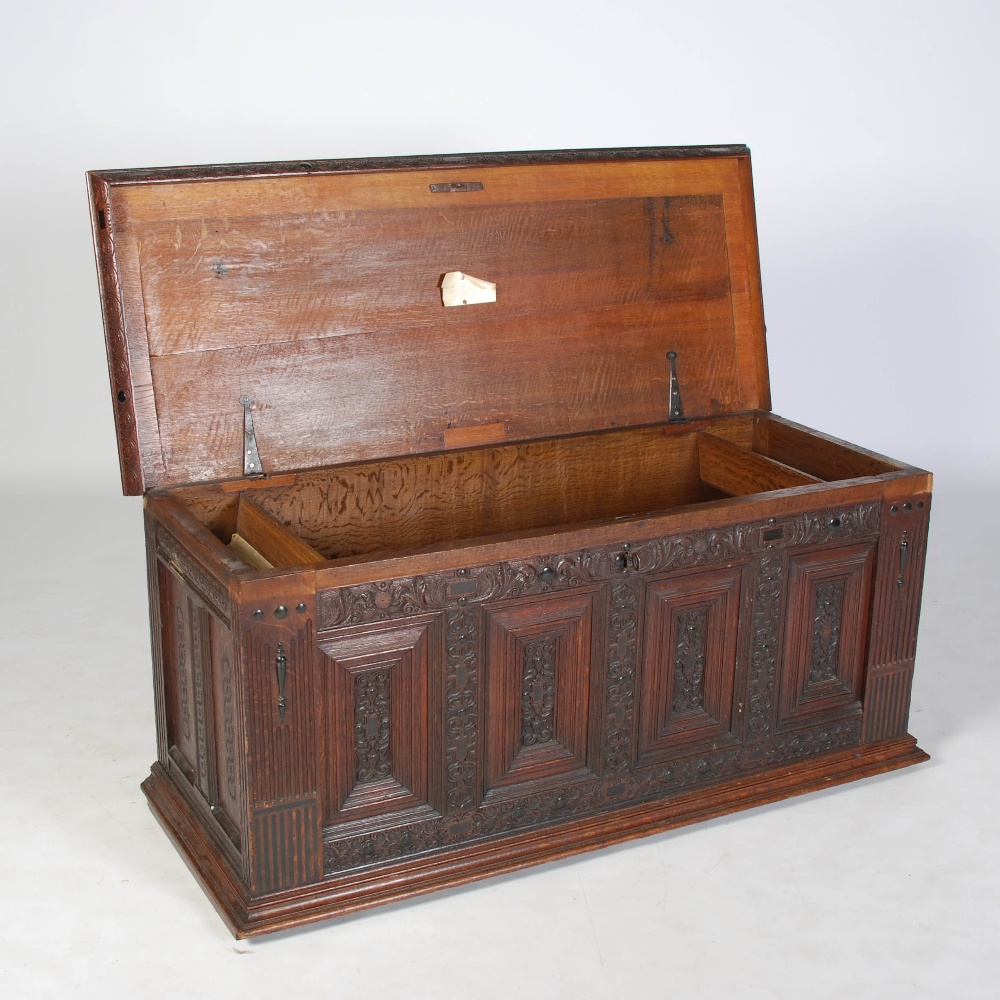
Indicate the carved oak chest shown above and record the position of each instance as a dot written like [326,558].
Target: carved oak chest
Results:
[472,539]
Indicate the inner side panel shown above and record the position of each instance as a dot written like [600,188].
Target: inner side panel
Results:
[417,502]
[332,321]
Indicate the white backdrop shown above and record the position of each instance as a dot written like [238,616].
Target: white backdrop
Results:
[873,127]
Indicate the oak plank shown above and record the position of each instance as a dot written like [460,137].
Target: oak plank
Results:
[739,471]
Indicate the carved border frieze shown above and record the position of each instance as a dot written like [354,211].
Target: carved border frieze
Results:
[585,797]
[212,591]
[513,579]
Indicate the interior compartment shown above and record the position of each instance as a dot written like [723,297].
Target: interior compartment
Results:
[416,502]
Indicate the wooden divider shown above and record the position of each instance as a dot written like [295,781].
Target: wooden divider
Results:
[263,543]
[740,472]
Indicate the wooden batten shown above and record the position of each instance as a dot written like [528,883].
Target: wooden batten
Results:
[263,543]
[740,471]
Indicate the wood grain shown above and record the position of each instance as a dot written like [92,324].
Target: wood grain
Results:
[275,542]
[318,295]
[817,454]
[739,471]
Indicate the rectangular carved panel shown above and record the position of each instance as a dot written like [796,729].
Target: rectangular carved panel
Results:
[829,591]
[539,657]
[688,667]
[382,741]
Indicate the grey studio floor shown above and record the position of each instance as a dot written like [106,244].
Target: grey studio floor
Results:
[886,887]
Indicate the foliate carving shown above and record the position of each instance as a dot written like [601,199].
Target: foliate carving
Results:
[538,690]
[696,548]
[183,684]
[619,695]
[496,582]
[229,728]
[818,739]
[461,707]
[461,591]
[689,660]
[372,751]
[389,599]
[826,632]
[344,853]
[834,524]
[212,591]
[765,627]
[198,672]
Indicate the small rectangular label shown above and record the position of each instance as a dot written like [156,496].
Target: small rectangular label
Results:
[462,588]
[454,187]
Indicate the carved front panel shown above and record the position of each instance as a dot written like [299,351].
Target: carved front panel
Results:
[829,595]
[538,675]
[516,754]
[689,661]
[377,708]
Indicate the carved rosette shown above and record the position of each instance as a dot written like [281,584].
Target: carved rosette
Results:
[696,548]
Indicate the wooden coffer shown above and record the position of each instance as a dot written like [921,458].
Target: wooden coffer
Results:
[440,591]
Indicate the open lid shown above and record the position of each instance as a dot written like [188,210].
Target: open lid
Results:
[315,290]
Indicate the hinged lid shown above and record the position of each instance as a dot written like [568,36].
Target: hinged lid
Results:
[314,289]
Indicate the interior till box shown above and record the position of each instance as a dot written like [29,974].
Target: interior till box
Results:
[422,501]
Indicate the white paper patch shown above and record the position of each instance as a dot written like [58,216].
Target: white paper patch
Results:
[460,289]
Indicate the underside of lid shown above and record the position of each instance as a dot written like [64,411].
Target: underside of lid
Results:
[315,290]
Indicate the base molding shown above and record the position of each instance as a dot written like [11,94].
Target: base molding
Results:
[351,891]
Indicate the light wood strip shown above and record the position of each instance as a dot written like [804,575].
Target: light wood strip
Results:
[238,198]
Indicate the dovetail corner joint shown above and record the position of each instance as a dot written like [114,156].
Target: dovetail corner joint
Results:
[251,456]
[676,411]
